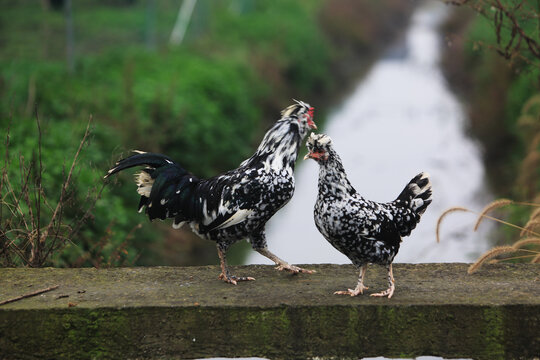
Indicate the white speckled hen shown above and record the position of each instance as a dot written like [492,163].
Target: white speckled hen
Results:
[363,230]
[235,205]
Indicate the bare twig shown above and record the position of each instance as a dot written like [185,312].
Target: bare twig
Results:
[38,241]
[67,181]
[29,295]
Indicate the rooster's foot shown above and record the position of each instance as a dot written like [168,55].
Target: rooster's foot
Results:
[231,279]
[293,269]
[359,290]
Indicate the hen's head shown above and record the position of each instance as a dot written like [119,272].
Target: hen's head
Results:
[302,113]
[319,146]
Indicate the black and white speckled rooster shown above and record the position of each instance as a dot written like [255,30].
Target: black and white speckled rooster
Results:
[232,206]
[365,231]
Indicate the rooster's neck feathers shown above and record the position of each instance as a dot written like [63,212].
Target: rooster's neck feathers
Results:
[279,147]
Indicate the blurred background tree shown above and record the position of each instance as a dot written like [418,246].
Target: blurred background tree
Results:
[493,60]
[205,101]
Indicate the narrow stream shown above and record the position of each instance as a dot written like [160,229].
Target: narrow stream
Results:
[401,119]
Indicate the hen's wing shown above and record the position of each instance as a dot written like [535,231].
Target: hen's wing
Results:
[374,221]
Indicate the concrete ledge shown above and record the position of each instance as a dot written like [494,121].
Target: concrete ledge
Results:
[164,312]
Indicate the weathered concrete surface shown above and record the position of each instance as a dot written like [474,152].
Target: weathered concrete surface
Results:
[165,312]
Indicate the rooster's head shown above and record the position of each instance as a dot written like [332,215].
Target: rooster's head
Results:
[301,112]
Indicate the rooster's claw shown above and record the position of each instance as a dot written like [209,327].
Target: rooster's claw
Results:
[231,279]
[294,269]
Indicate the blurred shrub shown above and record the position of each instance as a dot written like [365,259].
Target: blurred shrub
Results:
[496,62]
[205,104]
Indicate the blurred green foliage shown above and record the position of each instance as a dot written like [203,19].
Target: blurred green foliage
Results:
[502,76]
[205,103]
[502,86]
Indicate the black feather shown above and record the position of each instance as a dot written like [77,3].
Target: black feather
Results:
[139,159]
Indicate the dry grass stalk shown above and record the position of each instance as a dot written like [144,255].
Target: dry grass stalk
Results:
[529,228]
[496,251]
[505,222]
[490,207]
[444,214]
[526,241]
[535,215]
[536,259]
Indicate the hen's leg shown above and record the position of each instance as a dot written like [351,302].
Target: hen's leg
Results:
[258,242]
[225,275]
[390,291]
[359,287]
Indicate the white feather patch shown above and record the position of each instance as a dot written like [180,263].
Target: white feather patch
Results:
[416,203]
[178,225]
[144,183]
[238,217]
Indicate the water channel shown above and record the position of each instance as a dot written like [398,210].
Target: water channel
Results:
[401,119]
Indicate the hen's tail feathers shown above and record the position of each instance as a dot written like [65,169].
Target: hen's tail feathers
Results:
[417,193]
[166,189]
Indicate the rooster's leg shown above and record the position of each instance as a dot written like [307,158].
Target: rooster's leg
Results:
[359,287]
[225,276]
[390,291]
[282,264]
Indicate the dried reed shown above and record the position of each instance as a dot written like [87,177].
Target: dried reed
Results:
[443,215]
[496,251]
[526,241]
[528,229]
[490,207]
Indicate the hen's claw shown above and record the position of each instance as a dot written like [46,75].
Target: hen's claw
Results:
[388,292]
[359,290]
[231,279]
[294,269]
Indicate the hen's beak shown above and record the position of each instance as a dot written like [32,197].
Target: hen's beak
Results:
[316,155]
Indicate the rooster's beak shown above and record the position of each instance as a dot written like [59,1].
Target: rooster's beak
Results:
[311,124]
[308,156]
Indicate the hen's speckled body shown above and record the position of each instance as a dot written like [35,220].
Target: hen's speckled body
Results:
[363,230]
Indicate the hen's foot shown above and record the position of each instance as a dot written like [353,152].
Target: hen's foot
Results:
[231,279]
[388,292]
[293,269]
[359,290]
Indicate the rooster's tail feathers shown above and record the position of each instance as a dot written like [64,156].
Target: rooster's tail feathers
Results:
[140,158]
[166,188]
[417,193]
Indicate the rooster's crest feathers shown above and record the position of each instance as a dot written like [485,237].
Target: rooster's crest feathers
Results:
[296,109]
